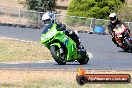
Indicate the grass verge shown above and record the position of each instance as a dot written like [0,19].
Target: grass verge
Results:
[52,79]
[14,50]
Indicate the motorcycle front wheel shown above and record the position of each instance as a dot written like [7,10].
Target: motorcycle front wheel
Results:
[58,57]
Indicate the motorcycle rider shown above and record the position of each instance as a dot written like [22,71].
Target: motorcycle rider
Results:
[49,18]
[112,24]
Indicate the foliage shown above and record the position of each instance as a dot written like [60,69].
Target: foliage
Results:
[71,20]
[125,13]
[41,5]
[93,8]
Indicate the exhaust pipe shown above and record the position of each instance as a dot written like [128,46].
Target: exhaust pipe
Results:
[128,43]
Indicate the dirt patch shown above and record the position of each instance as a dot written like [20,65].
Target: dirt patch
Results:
[129,2]
[11,4]
[14,20]
[17,75]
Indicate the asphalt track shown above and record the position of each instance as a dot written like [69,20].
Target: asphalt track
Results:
[106,55]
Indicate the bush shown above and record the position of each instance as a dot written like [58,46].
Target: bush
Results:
[71,20]
[81,21]
[74,20]
[41,5]
[93,8]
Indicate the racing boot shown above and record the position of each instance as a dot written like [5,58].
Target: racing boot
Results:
[113,39]
[80,47]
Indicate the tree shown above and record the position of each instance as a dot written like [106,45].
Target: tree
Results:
[94,8]
[41,5]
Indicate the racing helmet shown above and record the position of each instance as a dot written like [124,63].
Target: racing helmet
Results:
[48,18]
[113,17]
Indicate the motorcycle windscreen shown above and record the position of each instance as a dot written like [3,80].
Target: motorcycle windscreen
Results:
[47,28]
[49,34]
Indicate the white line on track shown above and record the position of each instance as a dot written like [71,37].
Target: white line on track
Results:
[17,39]
[28,62]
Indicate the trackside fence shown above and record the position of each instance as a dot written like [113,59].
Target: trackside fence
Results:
[32,19]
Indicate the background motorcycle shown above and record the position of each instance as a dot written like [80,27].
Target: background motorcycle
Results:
[123,38]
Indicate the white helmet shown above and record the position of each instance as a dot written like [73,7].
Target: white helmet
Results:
[48,17]
[113,17]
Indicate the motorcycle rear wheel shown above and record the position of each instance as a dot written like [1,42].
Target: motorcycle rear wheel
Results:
[126,49]
[56,55]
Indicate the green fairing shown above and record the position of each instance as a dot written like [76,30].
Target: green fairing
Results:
[54,37]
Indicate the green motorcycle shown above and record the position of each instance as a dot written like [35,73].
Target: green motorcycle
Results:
[62,47]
